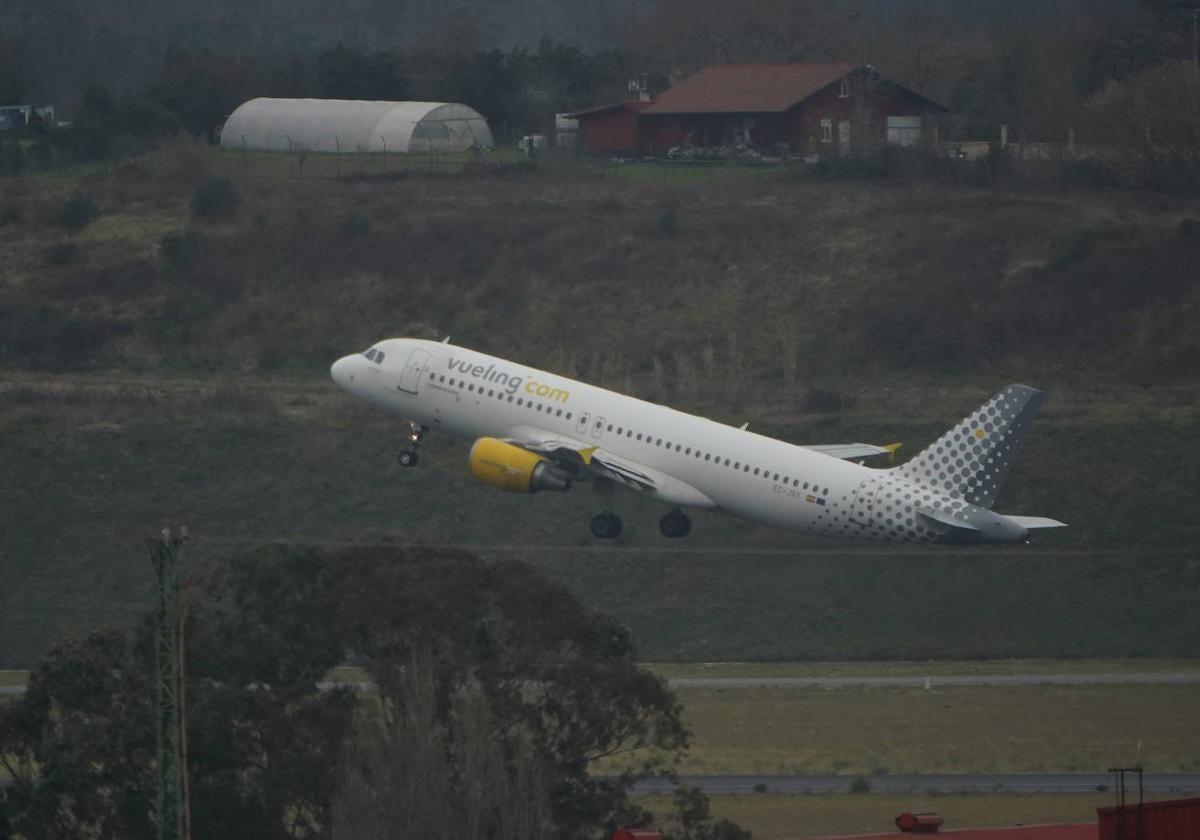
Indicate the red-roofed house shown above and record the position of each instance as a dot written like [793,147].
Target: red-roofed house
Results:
[820,109]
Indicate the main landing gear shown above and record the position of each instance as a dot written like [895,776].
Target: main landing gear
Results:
[675,525]
[606,526]
[408,457]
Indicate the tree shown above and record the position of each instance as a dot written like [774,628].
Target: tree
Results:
[343,73]
[496,690]
[200,88]
[13,81]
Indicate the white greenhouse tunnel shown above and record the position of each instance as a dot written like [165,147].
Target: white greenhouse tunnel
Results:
[349,126]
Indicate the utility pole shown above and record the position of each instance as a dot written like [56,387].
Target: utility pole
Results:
[166,555]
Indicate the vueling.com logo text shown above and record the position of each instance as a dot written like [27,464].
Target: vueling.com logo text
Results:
[509,382]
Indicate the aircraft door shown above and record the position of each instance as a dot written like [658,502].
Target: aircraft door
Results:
[581,427]
[410,377]
[598,427]
[862,508]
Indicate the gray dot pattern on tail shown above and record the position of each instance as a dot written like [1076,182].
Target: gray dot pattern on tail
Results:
[971,461]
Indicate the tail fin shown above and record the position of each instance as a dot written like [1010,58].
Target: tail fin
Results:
[971,461]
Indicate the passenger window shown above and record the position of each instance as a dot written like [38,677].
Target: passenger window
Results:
[568,415]
[708,457]
[639,437]
[520,401]
[610,427]
[746,468]
[775,477]
[756,470]
[806,485]
[687,451]
[678,447]
[559,413]
[825,492]
[658,442]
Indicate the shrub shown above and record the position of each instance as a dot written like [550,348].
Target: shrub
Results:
[668,222]
[180,248]
[64,253]
[823,400]
[355,224]
[215,198]
[860,785]
[761,787]
[77,212]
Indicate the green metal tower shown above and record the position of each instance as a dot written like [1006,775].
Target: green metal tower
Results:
[166,554]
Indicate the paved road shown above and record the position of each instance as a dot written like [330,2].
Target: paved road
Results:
[1012,783]
[959,680]
[1147,678]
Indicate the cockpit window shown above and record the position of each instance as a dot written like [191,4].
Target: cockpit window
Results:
[375,355]
[379,354]
[370,354]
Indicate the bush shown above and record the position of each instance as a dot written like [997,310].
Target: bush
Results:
[215,198]
[77,212]
[355,224]
[668,222]
[823,400]
[62,254]
[860,785]
[180,248]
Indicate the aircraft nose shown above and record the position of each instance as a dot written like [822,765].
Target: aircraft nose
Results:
[342,371]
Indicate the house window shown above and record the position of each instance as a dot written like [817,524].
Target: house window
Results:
[826,131]
[844,89]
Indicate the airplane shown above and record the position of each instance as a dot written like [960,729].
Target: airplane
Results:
[534,431]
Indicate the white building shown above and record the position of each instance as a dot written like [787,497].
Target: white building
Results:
[341,125]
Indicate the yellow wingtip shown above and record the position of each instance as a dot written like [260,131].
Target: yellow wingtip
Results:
[892,449]
[586,454]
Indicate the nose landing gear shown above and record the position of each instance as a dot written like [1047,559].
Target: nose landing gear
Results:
[675,525]
[409,457]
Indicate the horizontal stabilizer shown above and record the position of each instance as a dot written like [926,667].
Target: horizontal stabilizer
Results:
[1031,523]
[945,520]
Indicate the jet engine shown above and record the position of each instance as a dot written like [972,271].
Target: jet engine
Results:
[507,467]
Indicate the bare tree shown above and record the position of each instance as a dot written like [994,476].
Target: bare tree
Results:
[414,772]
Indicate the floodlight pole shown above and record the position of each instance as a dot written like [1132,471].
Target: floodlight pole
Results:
[166,555]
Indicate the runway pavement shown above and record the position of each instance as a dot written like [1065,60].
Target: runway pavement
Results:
[951,681]
[933,783]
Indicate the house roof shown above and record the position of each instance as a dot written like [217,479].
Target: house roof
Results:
[631,105]
[749,88]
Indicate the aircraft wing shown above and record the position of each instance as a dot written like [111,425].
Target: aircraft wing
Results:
[850,451]
[580,456]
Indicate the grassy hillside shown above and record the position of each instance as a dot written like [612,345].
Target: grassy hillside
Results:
[152,375]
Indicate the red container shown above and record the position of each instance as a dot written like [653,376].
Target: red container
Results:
[636,834]
[919,823]
[1172,819]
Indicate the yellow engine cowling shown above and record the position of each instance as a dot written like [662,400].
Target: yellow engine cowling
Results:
[507,467]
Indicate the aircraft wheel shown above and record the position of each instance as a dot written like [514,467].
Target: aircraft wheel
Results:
[675,525]
[606,526]
[408,458]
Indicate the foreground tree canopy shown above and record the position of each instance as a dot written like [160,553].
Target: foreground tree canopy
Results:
[494,692]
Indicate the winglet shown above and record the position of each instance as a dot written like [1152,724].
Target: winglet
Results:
[892,448]
[586,454]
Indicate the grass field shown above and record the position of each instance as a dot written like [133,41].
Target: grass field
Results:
[960,730]
[781,817]
[14,677]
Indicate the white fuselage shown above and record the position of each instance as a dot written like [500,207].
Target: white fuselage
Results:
[473,395]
